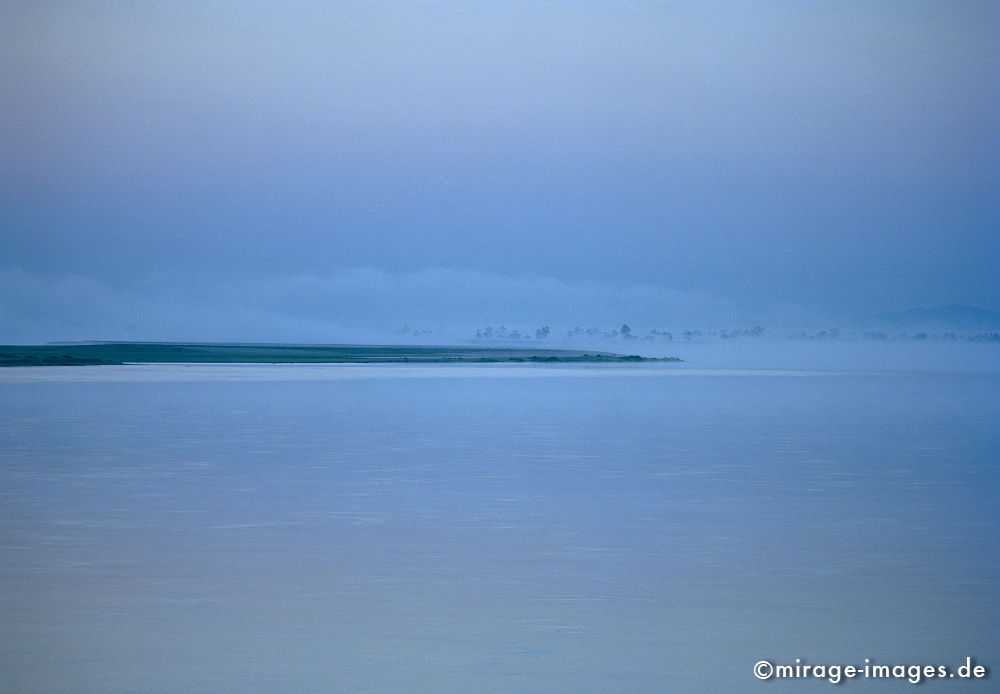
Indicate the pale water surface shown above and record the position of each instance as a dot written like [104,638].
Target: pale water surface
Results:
[492,529]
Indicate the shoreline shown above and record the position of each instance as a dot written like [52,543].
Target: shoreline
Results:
[120,353]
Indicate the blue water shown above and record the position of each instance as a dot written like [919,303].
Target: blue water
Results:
[507,529]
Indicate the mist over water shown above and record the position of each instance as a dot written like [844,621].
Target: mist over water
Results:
[837,356]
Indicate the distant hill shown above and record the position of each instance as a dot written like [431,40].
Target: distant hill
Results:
[954,317]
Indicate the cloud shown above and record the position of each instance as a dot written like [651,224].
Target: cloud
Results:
[347,305]
[299,170]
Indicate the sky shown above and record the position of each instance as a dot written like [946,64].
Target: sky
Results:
[330,172]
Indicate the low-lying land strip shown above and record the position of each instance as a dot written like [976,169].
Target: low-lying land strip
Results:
[95,353]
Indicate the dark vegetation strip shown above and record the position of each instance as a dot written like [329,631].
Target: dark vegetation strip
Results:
[160,352]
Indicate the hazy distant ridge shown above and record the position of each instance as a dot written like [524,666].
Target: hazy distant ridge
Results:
[959,317]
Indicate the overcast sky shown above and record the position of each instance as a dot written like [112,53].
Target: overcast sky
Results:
[329,171]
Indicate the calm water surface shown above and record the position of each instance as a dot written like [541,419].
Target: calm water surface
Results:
[507,529]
